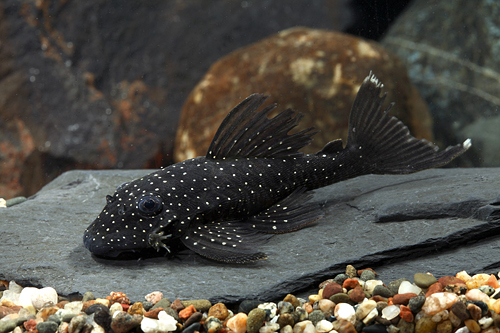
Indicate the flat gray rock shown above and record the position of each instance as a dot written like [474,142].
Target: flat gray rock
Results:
[442,221]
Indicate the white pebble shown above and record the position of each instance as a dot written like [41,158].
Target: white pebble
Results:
[324,326]
[373,313]
[477,295]
[167,323]
[390,312]
[286,329]
[440,316]
[371,284]
[11,296]
[74,307]
[115,307]
[269,328]
[44,297]
[154,297]
[149,325]
[407,287]
[345,311]
[271,307]
[462,330]
[301,326]
[485,322]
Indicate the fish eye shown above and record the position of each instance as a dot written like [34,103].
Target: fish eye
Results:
[150,205]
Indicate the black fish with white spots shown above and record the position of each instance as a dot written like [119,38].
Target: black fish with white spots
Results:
[253,182]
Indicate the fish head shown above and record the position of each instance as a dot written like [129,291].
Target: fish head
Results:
[130,221]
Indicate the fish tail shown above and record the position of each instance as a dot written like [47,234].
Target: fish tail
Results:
[383,144]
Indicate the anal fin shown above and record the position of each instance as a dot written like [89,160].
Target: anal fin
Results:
[290,214]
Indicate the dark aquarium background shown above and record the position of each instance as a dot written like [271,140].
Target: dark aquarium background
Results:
[142,84]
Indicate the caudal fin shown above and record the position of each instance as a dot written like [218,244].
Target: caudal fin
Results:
[384,142]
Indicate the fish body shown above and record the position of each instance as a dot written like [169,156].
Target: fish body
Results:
[254,182]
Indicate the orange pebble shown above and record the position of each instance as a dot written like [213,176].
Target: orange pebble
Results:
[434,288]
[406,314]
[492,282]
[350,283]
[153,313]
[187,312]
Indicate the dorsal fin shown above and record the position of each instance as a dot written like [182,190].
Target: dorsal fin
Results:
[332,147]
[248,133]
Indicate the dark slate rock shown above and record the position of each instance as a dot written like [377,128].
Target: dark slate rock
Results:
[455,69]
[408,223]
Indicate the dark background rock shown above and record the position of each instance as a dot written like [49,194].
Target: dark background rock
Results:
[95,84]
[316,72]
[451,51]
[442,221]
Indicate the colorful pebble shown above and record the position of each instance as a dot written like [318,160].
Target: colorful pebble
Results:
[347,303]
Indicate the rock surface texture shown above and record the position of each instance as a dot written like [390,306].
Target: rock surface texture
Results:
[88,84]
[451,51]
[316,72]
[447,219]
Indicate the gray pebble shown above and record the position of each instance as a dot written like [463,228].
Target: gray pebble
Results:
[172,313]
[201,305]
[488,290]
[194,327]
[55,319]
[340,298]
[88,296]
[147,305]
[248,305]
[300,314]
[316,316]
[367,275]
[394,285]
[7,325]
[406,327]
[285,307]
[163,303]
[382,291]
[424,280]
[340,278]
[14,201]
[47,327]
[415,303]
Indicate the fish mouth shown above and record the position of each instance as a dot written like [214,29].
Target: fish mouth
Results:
[112,245]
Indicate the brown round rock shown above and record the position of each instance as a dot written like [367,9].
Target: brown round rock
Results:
[218,311]
[316,72]
[332,289]
[357,295]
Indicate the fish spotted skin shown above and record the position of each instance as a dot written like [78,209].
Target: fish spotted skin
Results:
[254,182]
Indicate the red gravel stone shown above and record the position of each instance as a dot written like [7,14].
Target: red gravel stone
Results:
[350,283]
[403,298]
[406,314]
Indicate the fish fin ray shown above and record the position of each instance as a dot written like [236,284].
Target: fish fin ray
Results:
[227,241]
[384,142]
[245,132]
[290,214]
